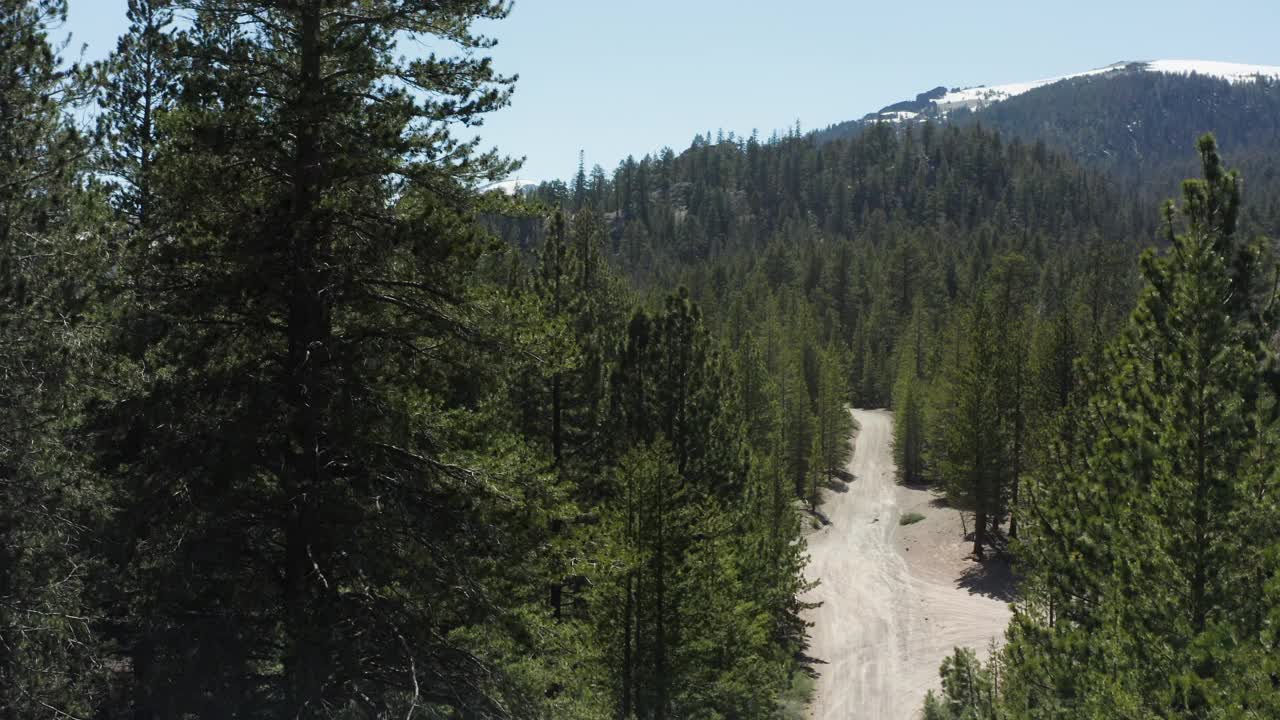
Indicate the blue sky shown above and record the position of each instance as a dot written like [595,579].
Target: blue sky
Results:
[617,77]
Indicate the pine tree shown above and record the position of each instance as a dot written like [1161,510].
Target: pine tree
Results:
[969,689]
[1151,556]
[655,525]
[580,297]
[580,184]
[797,427]
[1054,351]
[309,515]
[910,395]
[713,610]
[967,447]
[1010,287]
[758,396]
[140,88]
[834,424]
[909,427]
[49,270]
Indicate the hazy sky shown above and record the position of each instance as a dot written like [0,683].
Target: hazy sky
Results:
[620,77]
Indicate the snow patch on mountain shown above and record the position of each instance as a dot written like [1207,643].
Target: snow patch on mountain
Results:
[896,116]
[1231,72]
[977,97]
[509,187]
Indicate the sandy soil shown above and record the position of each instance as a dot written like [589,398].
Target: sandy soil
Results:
[895,599]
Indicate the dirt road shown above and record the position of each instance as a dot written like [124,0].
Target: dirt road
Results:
[895,600]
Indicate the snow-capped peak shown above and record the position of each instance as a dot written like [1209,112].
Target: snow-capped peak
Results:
[1231,72]
[977,97]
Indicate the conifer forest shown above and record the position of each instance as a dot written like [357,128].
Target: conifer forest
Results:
[301,418]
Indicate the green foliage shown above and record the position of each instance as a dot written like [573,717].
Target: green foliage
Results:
[981,413]
[834,423]
[855,236]
[969,689]
[797,431]
[1151,543]
[1133,125]
[906,267]
[140,88]
[709,625]
[967,449]
[910,400]
[910,518]
[50,655]
[357,458]
[309,510]
[284,431]
[795,701]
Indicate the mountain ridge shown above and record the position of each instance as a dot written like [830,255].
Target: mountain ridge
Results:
[941,100]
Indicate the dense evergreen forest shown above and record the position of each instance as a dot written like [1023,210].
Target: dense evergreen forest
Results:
[285,433]
[296,422]
[1134,126]
[1149,541]
[856,237]
[985,290]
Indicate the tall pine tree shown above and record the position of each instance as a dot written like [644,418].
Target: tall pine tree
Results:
[309,518]
[1152,548]
[50,265]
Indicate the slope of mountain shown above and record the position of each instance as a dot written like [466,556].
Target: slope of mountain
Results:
[941,101]
[982,96]
[1133,121]
[1128,122]
[864,227]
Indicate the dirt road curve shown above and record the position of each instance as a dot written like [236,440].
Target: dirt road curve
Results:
[895,600]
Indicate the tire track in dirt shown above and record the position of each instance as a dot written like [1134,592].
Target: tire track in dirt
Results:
[893,600]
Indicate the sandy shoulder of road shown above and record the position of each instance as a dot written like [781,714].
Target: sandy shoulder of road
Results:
[936,548]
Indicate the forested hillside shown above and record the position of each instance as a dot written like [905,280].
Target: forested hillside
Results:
[1150,541]
[960,278]
[296,422]
[857,237]
[285,433]
[1134,125]
[977,285]
[937,264]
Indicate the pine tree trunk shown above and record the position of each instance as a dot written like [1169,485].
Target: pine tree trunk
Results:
[1019,433]
[556,586]
[660,641]
[1013,511]
[556,302]
[556,599]
[979,532]
[557,439]
[627,662]
[308,333]
[144,158]
[630,622]
[8,663]
[1200,514]
[1017,476]
[140,658]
